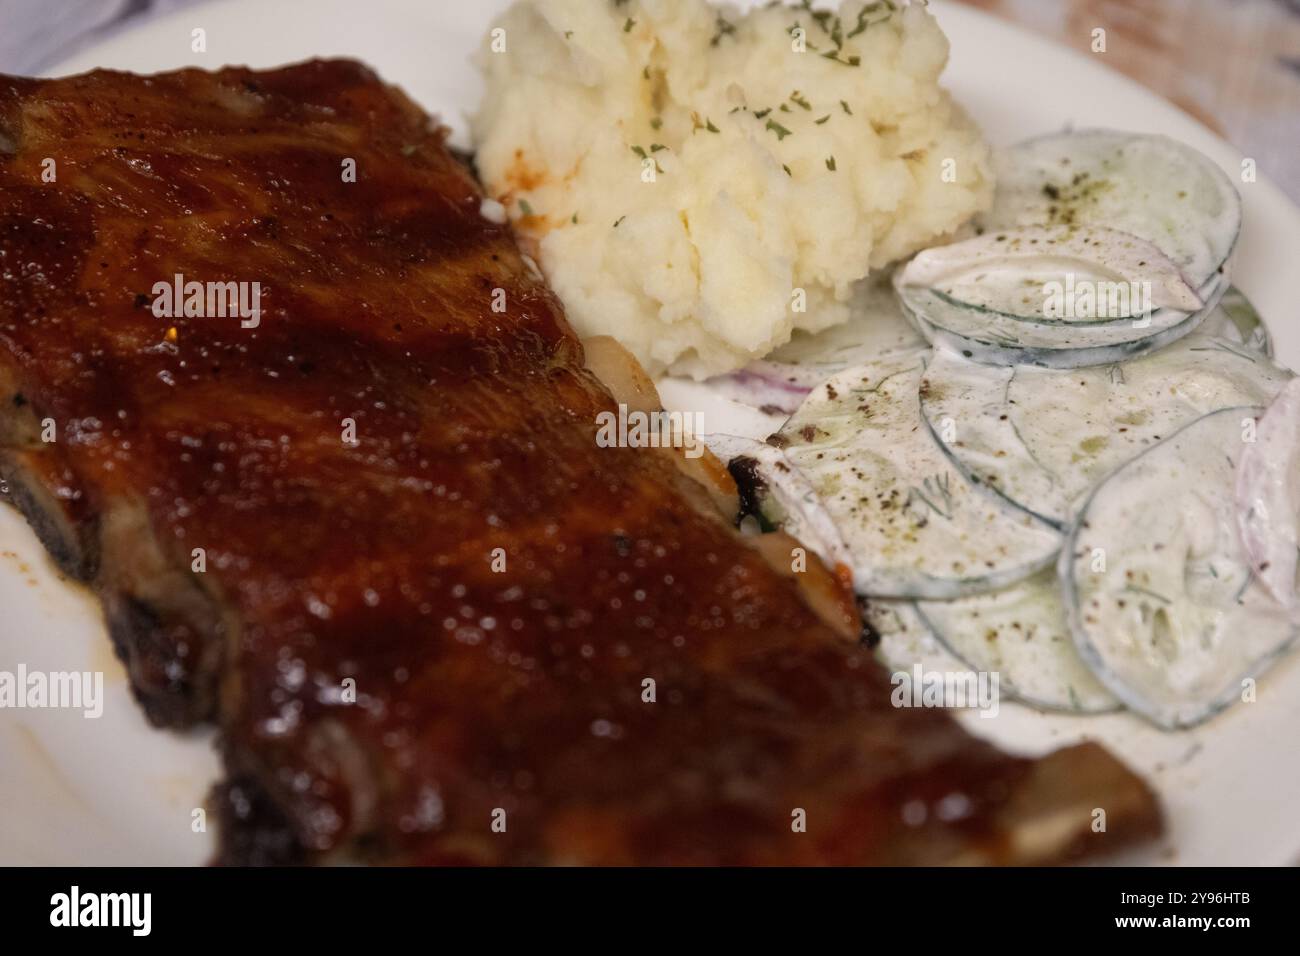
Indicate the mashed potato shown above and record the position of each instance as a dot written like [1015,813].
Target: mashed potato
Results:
[701,182]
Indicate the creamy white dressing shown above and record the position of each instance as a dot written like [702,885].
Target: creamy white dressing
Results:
[913,525]
[995,339]
[1160,596]
[1021,633]
[1147,185]
[1100,246]
[906,642]
[1043,438]
[1068,274]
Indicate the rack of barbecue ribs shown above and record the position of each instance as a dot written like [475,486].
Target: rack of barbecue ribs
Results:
[365,527]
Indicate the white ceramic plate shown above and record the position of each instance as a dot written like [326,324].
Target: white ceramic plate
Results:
[113,791]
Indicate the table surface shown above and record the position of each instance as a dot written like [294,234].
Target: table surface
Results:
[1233,64]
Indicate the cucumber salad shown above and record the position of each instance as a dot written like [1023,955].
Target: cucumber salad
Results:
[1058,450]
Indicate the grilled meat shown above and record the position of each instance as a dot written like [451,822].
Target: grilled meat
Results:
[371,534]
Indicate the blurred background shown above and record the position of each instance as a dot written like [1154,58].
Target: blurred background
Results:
[1233,64]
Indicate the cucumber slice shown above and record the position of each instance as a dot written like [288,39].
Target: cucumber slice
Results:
[913,525]
[774,490]
[1151,186]
[1236,320]
[1158,588]
[906,641]
[1095,276]
[1042,438]
[1268,496]
[1021,633]
[994,339]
